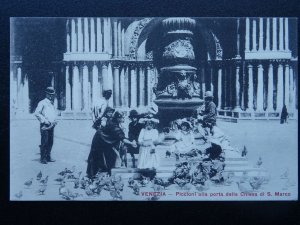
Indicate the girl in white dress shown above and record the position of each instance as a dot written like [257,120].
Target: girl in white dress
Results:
[147,140]
[187,140]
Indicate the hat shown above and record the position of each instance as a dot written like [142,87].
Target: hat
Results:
[186,123]
[149,118]
[107,92]
[117,115]
[50,91]
[109,109]
[133,114]
[208,94]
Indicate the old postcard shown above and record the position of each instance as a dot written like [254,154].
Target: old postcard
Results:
[153,109]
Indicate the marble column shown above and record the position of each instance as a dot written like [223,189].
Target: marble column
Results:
[76,101]
[237,88]
[106,35]
[110,36]
[99,35]
[68,90]
[86,35]
[13,91]
[286,35]
[122,87]
[123,42]
[250,88]
[260,89]
[274,32]
[105,77]
[268,35]
[261,34]
[119,35]
[26,108]
[95,85]
[68,36]
[281,34]
[203,81]
[85,77]
[73,37]
[142,87]
[93,44]
[254,47]
[80,35]
[116,91]
[247,38]
[211,80]
[219,88]
[110,83]
[149,88]
[20,88]
[126,87]
[279,104]
[115,39]
[133,88]
[287,85]
[292,100]
[270,107]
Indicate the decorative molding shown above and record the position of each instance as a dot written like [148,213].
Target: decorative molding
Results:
[179,49]
[219,50]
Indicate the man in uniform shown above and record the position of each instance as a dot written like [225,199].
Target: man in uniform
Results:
[46,114]
[209,115]
[100,107]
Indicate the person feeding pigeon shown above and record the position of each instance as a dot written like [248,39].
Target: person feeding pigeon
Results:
[209,115]
[46,114]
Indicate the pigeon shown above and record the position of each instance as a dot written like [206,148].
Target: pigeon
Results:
[201,187]
[42,190]
[144,181]
[256,182]
[259,162]
[89,192]
[44,181]
[72,196]
[115,194]
[153,198]
[168,154]
[62,189]
[136,189]
[19,195]
[244,187]
[76,183]
[244,152]
[60,179]
[157,188]
[285,175]
[39,176]
[180,182]
[130,182]
[28,183]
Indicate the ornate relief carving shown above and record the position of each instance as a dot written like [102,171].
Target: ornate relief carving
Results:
[179,49]
[219,50]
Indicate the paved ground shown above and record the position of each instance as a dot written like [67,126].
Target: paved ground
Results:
[277,145]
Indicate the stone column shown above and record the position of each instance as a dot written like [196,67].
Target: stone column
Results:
[73,37]
[268,35]
[142,87]
[85,77]
[116,91]
[13,91]
[68,36]
[250,88]
[20,88]
[93,47]
[80,35]
[133,88]
[110,83]
[122,87]
[68,90]
[270,107]
[247,38]
[287,85]
[260,89]
[279,104]
[76,90]
[99,35]
[115,38]
[86,36]
[203,81]
[238,38]
[123,42]
[274,31]
[26,108]
[211,80]
[105,77]
[96,85]
[281,34]
[261,34]
[286,36]
[106,35]
[237,88]
[292,100]
[254,47]
[219,88]
[110,36]
[126,87]
[119,35]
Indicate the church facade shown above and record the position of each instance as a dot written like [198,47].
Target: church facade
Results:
[249,64]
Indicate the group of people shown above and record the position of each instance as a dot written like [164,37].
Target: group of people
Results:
[111,142]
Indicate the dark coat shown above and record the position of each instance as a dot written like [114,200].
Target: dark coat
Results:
[210,113]
[133,134]
[102,155]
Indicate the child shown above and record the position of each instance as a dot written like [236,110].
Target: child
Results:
[186,141]
[147,140]
[133,134]
[107,116]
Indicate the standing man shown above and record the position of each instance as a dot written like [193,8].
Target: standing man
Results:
[46,114]
[209,115]
[100,107]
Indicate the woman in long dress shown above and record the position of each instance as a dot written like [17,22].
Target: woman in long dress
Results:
[104,150]
[148,138]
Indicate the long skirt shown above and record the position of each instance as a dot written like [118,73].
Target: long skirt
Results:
[147,159]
